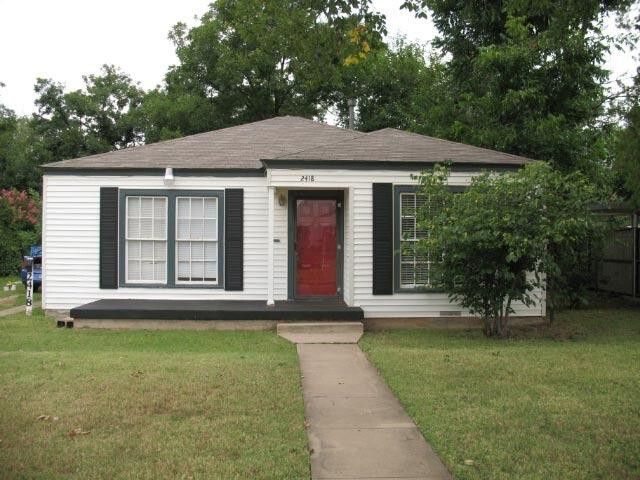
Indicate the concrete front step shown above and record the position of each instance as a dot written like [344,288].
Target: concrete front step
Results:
[321,332]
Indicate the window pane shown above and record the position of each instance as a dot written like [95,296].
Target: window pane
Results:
[160,271]
[211,251]
[146,250]
[197,251]
[159,228]
[183,270]
[422,273]
[406,273]
[210,271]
[147,270]
[196,229]
[184,249]
[197,210]
[211,207]
[408,227]
[133,228]
[183,229]
[210,229]
[133,207]
[407,203]
[160,251]
[146,230]
[133,270]
[197,271]
[183,208]
[133,249]
[160,207]
[146,207]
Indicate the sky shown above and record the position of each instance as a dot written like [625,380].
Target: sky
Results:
[66,39]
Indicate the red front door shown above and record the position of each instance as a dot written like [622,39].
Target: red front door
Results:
[316,247]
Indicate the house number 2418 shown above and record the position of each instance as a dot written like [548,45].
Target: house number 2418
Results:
[307,178]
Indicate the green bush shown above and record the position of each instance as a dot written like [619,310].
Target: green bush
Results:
[19,228]
[507,235]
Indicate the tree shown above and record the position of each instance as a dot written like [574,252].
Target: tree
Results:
[527,77]
[398,87]
[507,235]
[628,154]
[99,118]
[250,60]
[17,157]
[8,124]
[627,161]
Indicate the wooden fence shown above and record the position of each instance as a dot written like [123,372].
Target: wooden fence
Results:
[618,269]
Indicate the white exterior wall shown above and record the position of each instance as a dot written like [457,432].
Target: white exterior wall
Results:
[71,240]
[358,258]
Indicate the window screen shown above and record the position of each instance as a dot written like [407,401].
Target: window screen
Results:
[197,239]
[146,239]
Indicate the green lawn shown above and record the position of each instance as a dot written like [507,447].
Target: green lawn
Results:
[561,402]
[175,404]
[16,296]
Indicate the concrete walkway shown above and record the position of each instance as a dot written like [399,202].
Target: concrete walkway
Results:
[20,308]
[357,428]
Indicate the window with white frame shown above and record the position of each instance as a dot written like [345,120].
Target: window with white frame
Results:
[197,240]
[146,239]
[414,265]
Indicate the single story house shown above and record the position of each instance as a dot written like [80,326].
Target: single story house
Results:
[285,218]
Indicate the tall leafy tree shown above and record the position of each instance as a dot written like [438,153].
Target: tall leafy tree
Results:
[17,142]
[8,125]
[96,119]
[399,86]
[249,60]
[627,161]
[526,77]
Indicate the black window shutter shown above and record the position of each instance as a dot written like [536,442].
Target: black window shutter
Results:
[233,239]
[108,237]
[382,239]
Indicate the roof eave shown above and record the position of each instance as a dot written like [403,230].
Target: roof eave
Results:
[386,165]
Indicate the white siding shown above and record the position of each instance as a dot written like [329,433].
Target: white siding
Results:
[71,238]
[360,263]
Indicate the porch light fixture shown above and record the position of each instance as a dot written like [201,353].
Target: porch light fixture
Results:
[282,197]
[168,176]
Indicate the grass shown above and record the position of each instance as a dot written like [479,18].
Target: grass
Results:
[173,404]
[559,402]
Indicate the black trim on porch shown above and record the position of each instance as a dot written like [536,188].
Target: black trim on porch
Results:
[290,310]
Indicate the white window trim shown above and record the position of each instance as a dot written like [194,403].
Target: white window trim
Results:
[154,239]
[203,240]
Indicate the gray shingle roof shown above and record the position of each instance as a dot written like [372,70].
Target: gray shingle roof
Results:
[287,139]
[240,147]
[391,145]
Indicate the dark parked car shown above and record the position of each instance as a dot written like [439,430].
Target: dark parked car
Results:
[35,256]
